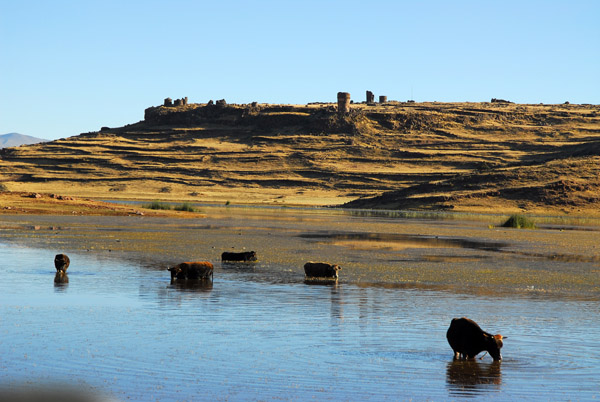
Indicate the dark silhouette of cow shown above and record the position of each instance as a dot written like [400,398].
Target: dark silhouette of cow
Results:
[321,270]
[61,262]
[467,340]
[245,256]
[192,270]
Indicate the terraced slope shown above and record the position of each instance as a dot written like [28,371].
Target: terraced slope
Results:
[432,155]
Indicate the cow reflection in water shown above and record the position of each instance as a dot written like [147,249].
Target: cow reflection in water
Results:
[471,376]
[335,298]
[321,282]
[61,279]
[195,285]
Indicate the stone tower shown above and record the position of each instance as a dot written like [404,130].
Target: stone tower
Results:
[343,102]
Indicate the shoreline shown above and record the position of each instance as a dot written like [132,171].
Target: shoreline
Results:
[33,203]
[463,253]
[30,203]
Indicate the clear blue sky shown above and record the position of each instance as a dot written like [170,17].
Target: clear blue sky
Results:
[69,67]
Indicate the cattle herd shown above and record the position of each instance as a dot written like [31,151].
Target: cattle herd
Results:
[465,336]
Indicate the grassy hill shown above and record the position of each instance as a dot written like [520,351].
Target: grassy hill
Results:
[454,156]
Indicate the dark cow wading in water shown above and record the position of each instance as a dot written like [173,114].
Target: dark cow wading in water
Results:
[246,256]
[61,263]
[467,340]
[191,270]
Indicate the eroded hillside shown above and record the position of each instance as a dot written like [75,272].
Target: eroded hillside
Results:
[408,155]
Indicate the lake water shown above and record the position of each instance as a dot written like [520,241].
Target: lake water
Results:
[119,328]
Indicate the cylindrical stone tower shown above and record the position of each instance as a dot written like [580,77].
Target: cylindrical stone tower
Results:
[343,102]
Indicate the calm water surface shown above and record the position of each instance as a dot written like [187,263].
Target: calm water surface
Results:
[259,332]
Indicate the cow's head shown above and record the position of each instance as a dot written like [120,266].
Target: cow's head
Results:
[494,344]
[335,269]
[174,271]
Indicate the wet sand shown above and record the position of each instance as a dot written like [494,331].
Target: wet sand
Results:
[460,254]
[259,332]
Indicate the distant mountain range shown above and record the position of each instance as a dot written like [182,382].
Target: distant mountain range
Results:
[16,139]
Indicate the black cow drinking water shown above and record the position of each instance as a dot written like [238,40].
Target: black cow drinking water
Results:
[321,270]
[467,340]
[245,256]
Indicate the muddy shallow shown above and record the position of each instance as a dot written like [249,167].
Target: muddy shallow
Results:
[259,332]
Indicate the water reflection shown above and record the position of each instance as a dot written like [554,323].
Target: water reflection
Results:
[403,240]
[194,285]
[337,305]
[333,282]
[238,266]
[470,377]
[61,280]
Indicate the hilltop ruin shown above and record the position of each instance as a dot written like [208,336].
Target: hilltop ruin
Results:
[423,155]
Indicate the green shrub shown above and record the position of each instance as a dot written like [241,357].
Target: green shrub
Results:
[157,205]
[519,222]
[185,207]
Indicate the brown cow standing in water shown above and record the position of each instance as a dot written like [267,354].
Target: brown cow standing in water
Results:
[192,270]
[467,340]
[321,270]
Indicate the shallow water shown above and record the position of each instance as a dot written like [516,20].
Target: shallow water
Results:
[259,332]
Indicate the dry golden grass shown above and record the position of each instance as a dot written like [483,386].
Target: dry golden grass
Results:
[44,204]
[452,156]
